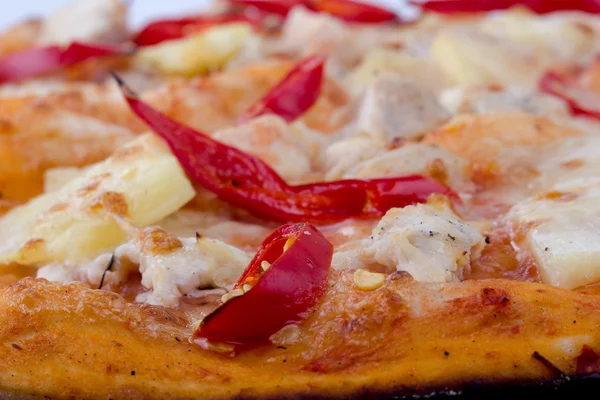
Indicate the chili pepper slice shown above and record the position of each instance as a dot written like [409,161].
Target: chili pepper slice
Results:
[354,11]
[294,94]
[169,29]
[299,258]
[580,101]
[279,7]
[39,61]
[348,10]
[537,6]
[249,183]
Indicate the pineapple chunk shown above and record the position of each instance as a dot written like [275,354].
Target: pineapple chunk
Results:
[201,53]
[557,36]
[379,62]
[138,185]
[471,57]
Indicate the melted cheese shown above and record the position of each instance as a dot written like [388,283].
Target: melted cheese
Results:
[343,155]
[138,185]
[269,138]
[482,100]
[172,267]
[429,242]
[416,158]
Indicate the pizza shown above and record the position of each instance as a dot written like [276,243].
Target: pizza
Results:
[300,199]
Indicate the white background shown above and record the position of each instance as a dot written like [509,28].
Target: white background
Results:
[141,10]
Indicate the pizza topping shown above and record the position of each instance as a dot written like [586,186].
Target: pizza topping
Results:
[170,29]
[395,107]
[486,99]
[39,61]
[365,280]
[201,52]
[349,10]
[270,139]
[249,183]
[282,295]
[138,185]
[172,267]
[580,101]
[416,158]
[537,6]
[428,241]
[89,21]
[293,95]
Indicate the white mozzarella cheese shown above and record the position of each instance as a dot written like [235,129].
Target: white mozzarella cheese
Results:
[485,99]
[416,158]
[269,138]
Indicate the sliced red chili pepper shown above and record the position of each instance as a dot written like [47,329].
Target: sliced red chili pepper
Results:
[349,10]
[169,29]
[249,183]
[537,6]
[39,61]
[292,285]
[294,94]
[579,100]
[279,7]
[354,11]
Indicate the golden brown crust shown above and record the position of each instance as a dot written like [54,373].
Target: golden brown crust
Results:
[407,334]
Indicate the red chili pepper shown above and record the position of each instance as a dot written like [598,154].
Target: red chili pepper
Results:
[279,7]
[580,101]
[249,183]
[348,10]
[294,94]
[39,61]
[354,11]
[169,29]
[537,6]
[294,283]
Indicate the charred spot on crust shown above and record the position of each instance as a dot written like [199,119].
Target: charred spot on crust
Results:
[494,296]
[588,362]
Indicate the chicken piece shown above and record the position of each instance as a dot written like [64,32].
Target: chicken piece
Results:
[172,267]
[393,107]
[428,241]
[86,21]
[269,138]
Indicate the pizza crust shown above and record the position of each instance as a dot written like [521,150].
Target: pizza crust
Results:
[407,335]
